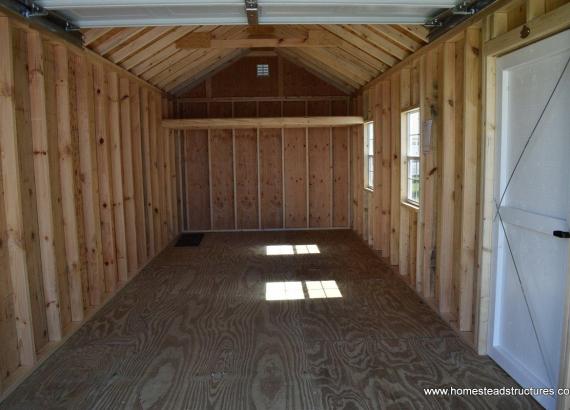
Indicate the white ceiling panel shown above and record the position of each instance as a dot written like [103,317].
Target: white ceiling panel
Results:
[128,13]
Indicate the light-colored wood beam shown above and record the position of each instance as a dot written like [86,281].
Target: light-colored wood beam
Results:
[45,195]
[398,37]
[209,72]
[93,34]
[380,41]
[138,183]
[314,38]
[150,50]
[89,183]
[333,64]
[316,70]
[184,60]
[13,196]
[70,190]
[356,40]
[268,122]
[446,182]
[128,176]
[137,44]
[117,39]
[471,108]
[167,55]
[202,65]
[117,174]
[360,54]
[540,27]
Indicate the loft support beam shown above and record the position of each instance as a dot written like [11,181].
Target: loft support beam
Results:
[268,122]
[314,38]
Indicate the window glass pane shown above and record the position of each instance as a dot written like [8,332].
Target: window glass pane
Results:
[414,145]
[370,135]
[414,122]
[370,171]
[369,152]
[413,140]
[413,191]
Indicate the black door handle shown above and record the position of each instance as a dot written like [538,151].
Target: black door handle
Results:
[561,234]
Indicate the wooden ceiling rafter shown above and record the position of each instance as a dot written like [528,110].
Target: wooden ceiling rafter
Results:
[164,64]
[137,44]
[160,58]
[116,40]
[188,58]
[397,36]
[92,35]
[189,83]
[334,57]
[363,44]
[381,41]
[347,56]
[362,55]
[155,46]
[314,69]
[204,63]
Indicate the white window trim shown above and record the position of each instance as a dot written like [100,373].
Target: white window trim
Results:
[405,157]
[367,157]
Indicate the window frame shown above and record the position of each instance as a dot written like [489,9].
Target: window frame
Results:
[369,156]
[406,156]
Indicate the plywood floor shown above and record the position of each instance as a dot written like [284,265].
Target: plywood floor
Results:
[194,331]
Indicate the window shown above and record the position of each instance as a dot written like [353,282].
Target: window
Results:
[263,70]
[411,142]
[369,154]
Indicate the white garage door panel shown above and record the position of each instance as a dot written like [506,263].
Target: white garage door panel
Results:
[108,13]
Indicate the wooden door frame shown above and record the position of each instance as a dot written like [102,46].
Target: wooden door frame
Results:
[495,46]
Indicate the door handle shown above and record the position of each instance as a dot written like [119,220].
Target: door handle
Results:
[561,234]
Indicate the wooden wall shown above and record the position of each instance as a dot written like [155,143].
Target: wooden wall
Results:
[87,192]
[289,90]
[437,247]
[433,245]
[263,178]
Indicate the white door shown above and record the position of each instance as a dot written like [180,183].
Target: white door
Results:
[530,265]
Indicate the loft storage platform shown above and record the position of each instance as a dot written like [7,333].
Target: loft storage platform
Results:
[270,122]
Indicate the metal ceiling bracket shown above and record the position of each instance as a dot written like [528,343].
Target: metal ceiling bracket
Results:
[71,27]
[34,11]
[41,17]
[452,17]
[433,23]
[252,12]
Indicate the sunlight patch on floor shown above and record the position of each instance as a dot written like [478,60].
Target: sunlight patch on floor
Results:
[284,291]
[291,249]
[325,289]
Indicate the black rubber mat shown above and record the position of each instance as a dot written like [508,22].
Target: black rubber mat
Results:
[189,239]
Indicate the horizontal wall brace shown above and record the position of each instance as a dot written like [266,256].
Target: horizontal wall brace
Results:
[269,122]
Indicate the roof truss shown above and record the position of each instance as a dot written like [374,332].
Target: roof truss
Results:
[175,57]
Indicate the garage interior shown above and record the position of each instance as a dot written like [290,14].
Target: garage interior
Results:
[283,205]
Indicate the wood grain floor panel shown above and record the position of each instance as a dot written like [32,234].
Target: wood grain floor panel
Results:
[194,331]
